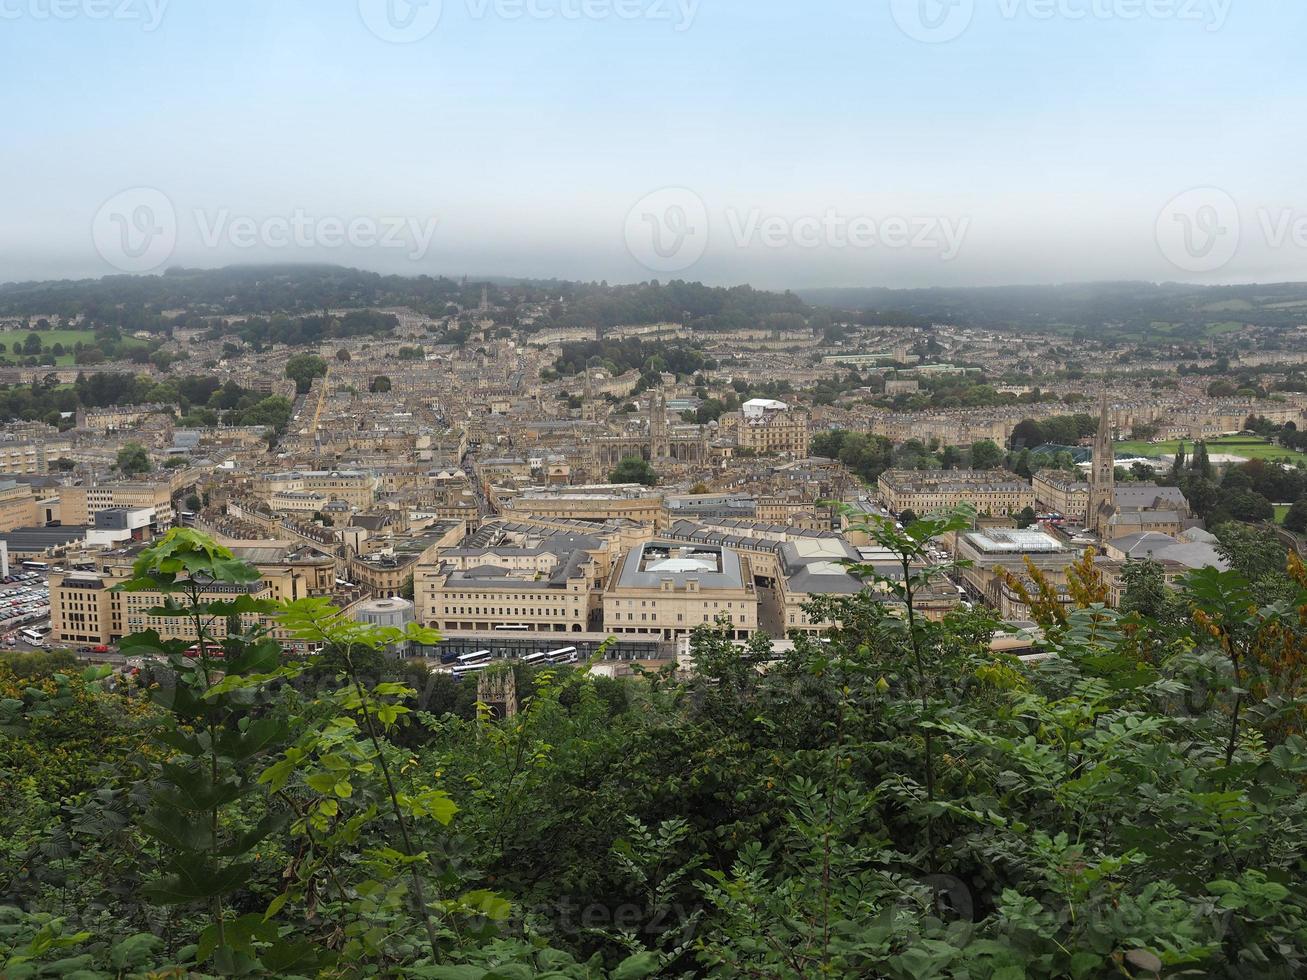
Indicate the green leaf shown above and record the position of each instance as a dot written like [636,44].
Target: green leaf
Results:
[177,829]
[292,956]
[488,904]
[135,952]
[195,881]
[644,964]
[243,843]
[240,746]
[323,782]
[1084,964]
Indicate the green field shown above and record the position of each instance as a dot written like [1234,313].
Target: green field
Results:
[1243,446]
[1162,328]
[13,340]
[1281,511]
[48,337]
[1217,329]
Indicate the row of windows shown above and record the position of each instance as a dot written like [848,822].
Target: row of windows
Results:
[646,603]
[680,617]
[504,611]
[466,597]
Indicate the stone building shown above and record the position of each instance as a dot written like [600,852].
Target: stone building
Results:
[667,590]
[995,492]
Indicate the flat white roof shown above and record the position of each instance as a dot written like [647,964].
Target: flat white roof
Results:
[1015,541]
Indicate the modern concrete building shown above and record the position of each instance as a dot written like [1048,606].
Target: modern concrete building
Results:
[79,505]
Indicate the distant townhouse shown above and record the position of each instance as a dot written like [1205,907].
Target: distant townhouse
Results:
[771,427]
[928,492]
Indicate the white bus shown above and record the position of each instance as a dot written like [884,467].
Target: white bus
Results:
[531,659]
[36,566]
[512,629]
[480,656]
[567,655]
[463,670]
[32,638]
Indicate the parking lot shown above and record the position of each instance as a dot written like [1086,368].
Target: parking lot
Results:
[24,605]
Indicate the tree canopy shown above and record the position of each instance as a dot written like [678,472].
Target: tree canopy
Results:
[633,469]
[134,459]
[891,799]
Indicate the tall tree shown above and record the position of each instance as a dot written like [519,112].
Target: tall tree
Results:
[985,455]
[133,460]
[1177,464]
[633,469]
[303,369]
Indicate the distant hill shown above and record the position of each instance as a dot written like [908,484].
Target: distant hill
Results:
[236,289]
[1137,309]
[137,302]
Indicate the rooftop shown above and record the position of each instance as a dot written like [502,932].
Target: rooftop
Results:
[1013,541]
[659,561]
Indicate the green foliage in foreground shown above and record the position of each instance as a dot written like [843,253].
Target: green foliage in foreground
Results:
[891,800]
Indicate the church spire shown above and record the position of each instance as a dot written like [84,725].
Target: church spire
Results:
[1102,480]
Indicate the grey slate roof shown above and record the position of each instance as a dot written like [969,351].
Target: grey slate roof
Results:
[635,577]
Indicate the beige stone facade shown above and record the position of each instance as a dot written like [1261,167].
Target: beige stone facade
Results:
[668,597]
[84,609]
[79,505]
[593,504]
[17,506]
[1057,492]
[928,492]
[31,458]
[457,600]
[775,433]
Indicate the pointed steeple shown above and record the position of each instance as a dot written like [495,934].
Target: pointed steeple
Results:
[1102,479]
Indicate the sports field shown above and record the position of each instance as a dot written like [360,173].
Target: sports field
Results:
[14,340]
[1248,447]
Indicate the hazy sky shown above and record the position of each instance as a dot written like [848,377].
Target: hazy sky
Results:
[799,143]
